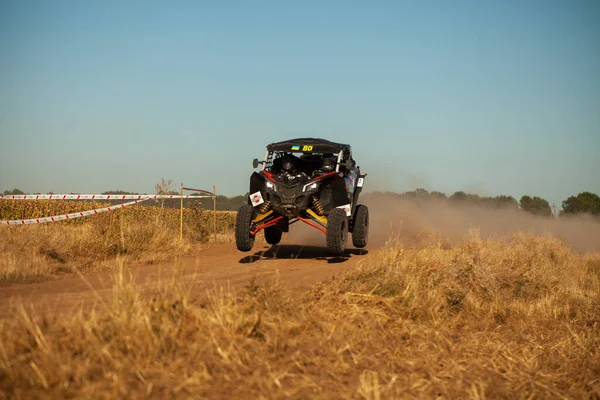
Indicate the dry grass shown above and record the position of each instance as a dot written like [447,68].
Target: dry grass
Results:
[140,234]
[516,317]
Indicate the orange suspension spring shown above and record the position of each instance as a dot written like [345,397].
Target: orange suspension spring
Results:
[318,206]
[265,207]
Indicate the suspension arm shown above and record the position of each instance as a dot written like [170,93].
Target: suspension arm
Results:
[266,225]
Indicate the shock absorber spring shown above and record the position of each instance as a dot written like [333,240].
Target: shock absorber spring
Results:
[317,205]
[265,207]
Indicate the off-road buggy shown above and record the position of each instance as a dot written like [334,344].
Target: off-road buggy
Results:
[310,180]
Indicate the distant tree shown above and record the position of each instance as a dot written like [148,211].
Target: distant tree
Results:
[231,203]
[438,195]
[118,192]
[504,202]
[467,198]
[224,203]
[459,196]
[535,205]
[420,195]
[14,191]
[417,194]
[584,202]
[164,187]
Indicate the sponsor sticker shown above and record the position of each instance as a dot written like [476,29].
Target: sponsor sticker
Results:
[256,199]
[295,147]
[346,207]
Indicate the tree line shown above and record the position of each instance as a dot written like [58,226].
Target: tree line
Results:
[582,203]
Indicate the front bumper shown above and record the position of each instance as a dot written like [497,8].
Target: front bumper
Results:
[289,200]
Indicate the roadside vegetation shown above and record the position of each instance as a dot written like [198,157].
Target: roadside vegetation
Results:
[512,317]
[134,234]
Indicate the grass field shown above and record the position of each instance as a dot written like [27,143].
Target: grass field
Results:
[133,234]
[513,317]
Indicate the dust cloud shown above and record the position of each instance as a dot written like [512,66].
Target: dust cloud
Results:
[412,222]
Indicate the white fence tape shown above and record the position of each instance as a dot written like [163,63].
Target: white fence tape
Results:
[137,198]
[68,216]
[98,196]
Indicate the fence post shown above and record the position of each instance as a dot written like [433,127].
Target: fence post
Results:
[215,211]
[181,214]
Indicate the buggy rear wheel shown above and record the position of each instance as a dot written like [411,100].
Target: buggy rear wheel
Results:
[337,231]
[360,230]
[243,220]
[273,235]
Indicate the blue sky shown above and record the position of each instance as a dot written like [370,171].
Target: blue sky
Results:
[483,96]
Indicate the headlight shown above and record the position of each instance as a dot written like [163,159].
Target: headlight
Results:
[270,185]
[310,186]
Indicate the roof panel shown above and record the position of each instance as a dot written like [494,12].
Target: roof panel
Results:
[309,145]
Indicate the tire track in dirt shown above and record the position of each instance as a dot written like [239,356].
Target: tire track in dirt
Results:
[293,265]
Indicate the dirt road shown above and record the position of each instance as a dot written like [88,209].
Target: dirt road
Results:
[295,264]
[221,264]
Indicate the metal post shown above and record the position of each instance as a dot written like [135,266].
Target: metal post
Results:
[181,214]
[215,211]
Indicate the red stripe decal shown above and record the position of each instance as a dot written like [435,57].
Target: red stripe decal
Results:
[269,176]
[321,177]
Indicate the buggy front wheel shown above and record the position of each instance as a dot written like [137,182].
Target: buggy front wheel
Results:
[243,221]
[337,231]
[360,231]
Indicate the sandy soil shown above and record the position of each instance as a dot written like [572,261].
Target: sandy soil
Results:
[293,265]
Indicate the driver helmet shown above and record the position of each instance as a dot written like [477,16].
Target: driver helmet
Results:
[287,164]
[328,163]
